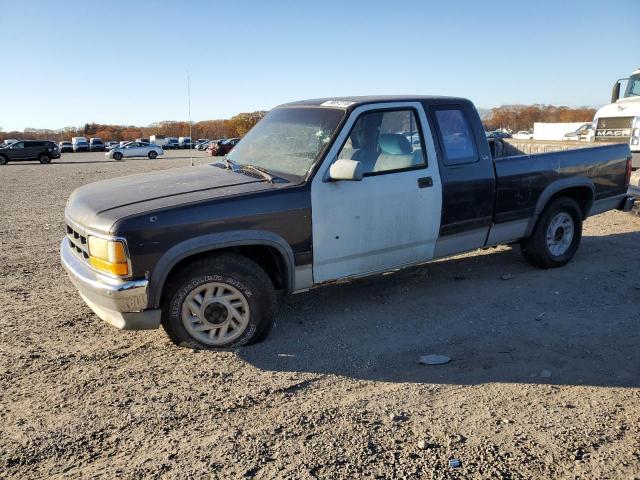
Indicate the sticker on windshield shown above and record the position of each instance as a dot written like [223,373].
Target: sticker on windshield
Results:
[337,103]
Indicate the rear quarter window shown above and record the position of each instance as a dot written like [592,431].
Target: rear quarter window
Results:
[455,136]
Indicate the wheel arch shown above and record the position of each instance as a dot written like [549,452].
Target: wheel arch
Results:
[579,189]
[267,249]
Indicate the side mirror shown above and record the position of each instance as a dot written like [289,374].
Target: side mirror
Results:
[615,92]
[345,170]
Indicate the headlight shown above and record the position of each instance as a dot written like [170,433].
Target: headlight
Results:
[108,256]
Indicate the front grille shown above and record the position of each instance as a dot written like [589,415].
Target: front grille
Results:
[615,122]
[78,241]
[614,129]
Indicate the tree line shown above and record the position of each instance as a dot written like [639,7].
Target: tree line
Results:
[510,117]
[236,126]
[522,117]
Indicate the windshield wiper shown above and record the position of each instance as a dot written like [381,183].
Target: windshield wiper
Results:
[229,164]
[259,170]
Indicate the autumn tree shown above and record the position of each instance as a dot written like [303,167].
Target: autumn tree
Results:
[236,126]
[522,117]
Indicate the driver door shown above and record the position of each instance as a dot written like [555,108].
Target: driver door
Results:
[391,217]
[131,150]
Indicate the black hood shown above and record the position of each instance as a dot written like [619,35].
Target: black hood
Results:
[99,205]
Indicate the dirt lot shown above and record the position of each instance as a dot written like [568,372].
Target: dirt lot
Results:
[544,380]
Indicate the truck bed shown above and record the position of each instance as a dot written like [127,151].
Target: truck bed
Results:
[522,181]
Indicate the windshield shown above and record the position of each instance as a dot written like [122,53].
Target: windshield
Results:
[633,87]
[288,140]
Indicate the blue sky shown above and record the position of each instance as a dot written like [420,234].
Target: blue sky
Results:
[66,63]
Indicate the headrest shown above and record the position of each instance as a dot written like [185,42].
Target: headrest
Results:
[394,144]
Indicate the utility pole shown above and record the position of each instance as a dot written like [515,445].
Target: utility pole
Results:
[189,102]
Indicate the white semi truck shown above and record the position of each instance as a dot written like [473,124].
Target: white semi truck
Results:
[620,120]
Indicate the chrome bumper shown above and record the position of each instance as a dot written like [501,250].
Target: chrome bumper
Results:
[121,303]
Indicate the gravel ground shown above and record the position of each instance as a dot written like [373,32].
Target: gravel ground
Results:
[544,380]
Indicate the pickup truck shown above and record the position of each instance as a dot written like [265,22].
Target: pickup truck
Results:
[321,191]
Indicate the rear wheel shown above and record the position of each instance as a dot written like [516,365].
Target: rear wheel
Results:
[223,301]
[3,160]
[556,237]
[152,154]
[44,159]
[117,156]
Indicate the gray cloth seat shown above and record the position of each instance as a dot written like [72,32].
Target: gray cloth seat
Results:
[396,152]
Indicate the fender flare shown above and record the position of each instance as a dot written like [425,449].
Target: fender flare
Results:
[212,242]
[555,188]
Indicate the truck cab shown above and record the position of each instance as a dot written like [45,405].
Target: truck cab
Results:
[620,120]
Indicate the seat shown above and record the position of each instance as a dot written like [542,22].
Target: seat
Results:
[396,152]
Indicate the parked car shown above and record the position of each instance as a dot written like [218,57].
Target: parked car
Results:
[65,146]
[111,145]
[41,150]
[203,250]
[185,142]
[581,133]
[201,144]
[172,144]
[135,149]
[124,142]
[81,146]
[498,134]
[523,135]
[213,146]
[223,147]
[96,144]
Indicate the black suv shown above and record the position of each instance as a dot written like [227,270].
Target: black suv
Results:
[41,150]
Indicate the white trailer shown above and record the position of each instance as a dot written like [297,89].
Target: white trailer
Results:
[554,131]
[159,140]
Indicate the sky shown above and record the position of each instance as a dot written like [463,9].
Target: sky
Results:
[66,63]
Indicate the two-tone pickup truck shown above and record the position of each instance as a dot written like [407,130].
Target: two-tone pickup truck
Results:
[319,191]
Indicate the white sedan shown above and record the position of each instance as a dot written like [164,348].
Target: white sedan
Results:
[135,149]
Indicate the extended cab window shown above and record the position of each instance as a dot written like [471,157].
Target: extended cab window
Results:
[385,142]
[456,136]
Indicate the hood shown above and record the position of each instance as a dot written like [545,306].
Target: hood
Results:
[625,107]
[99,205]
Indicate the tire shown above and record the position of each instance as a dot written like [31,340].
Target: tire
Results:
[3,160]
[244,316]
[44,159]
[556,236]
[152,155]
[117,156]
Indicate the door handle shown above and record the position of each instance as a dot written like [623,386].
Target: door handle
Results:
[425,182]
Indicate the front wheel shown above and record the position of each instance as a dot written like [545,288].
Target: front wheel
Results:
[224,301]
[556,237]
[3,160]
[44,159]
[117,156]
[152,155]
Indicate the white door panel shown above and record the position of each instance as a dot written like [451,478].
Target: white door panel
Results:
[379,223]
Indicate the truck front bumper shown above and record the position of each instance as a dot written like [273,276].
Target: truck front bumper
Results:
[120,303]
